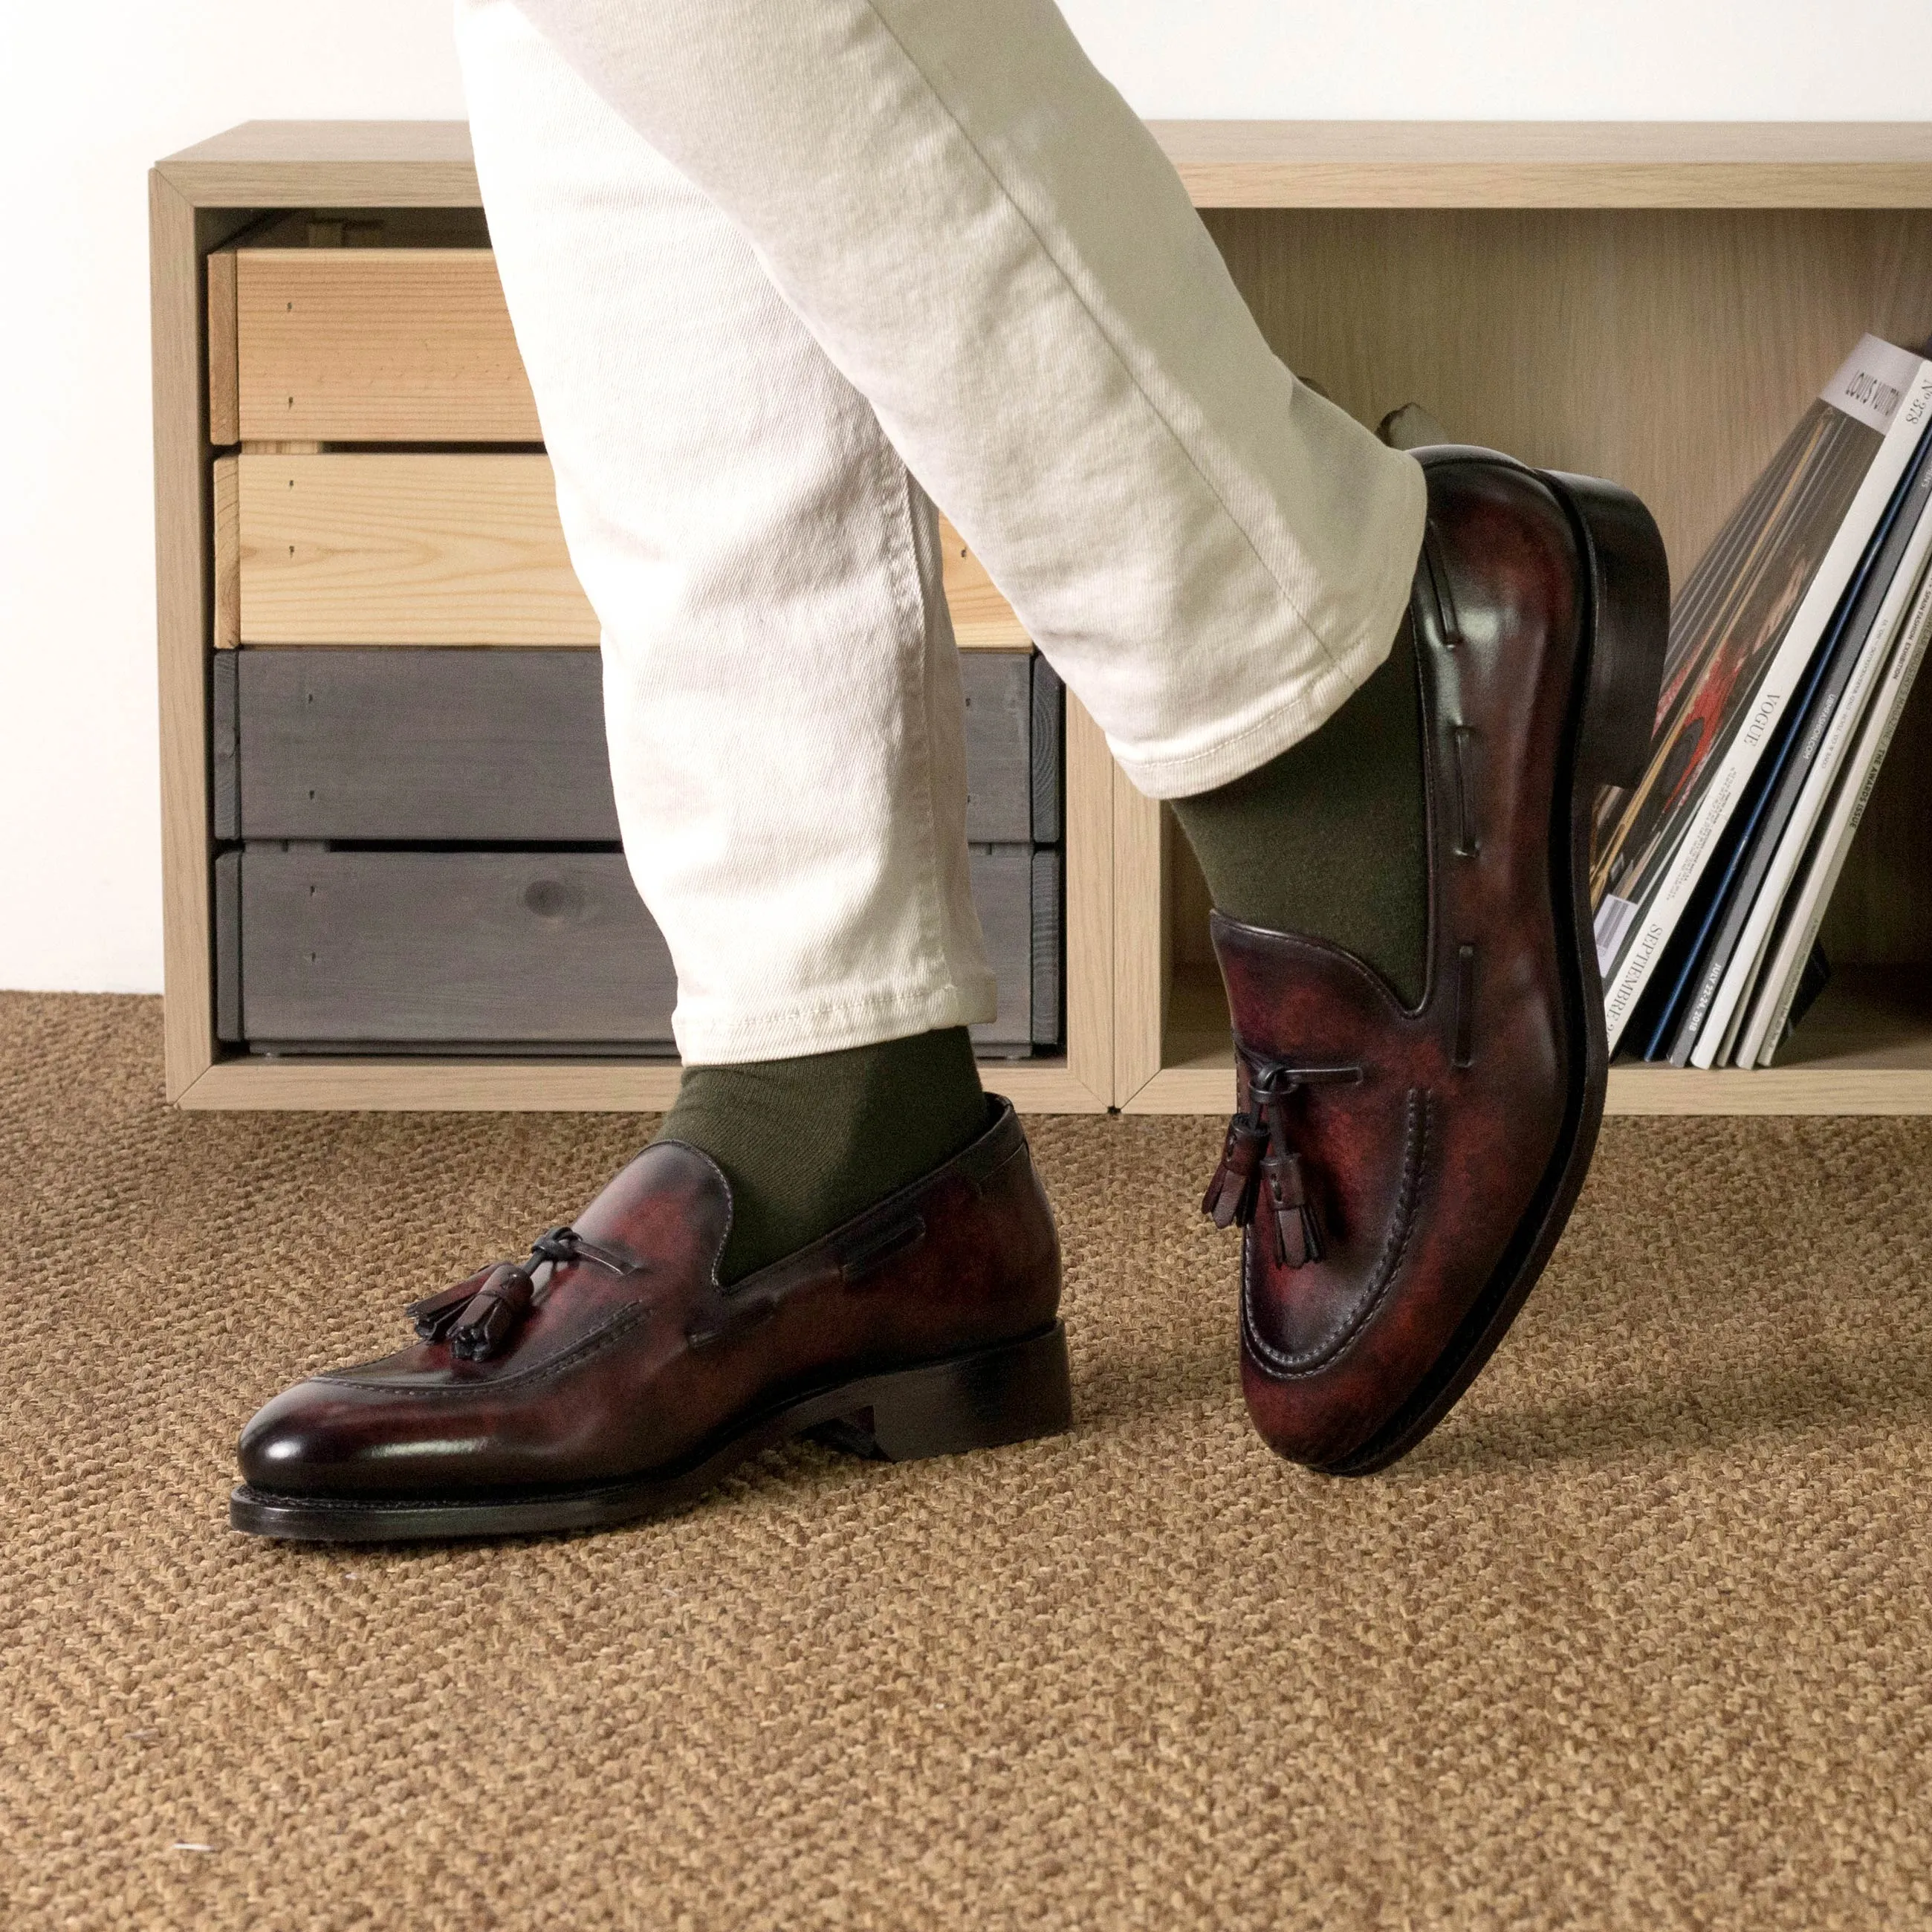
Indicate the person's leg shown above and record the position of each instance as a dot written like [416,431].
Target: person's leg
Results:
[837,1231]
[976,234]
[781,689]
[1046,326]
[987,243]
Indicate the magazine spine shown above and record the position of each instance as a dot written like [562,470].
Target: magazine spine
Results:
[1843,669]
[1651,929]
[1841,732]
[1829,860]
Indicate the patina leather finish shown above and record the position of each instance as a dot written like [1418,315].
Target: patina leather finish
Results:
[630,1364]
[1402,1174]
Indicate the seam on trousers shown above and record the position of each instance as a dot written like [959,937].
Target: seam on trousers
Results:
[916,508]
[1100,328]
[891,481]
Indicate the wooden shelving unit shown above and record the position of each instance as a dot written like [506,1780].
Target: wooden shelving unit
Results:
[1654,303]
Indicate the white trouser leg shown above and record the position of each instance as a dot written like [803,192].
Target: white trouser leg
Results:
[782,690]
[987,242]
[978,248]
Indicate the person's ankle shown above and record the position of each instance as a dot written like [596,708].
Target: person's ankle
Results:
[1330,838]
[808,1143]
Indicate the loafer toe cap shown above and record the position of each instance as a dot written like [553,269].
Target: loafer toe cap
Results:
[323,1439]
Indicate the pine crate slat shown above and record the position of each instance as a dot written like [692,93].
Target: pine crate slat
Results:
[438,548]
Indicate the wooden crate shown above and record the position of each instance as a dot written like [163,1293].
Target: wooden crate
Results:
[440,546]
[324,946]
[1654,302]
[331,949]
[425,747]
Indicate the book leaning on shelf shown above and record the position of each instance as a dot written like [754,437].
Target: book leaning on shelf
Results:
[1705,993]
[1779,639]
[1877,631]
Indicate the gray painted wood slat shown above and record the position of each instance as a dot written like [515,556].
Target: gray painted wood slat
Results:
[545,948]
[483,746]
[999,758]
[224,735]
[424,745]
[1047,991]
[1003,894]
[331,950]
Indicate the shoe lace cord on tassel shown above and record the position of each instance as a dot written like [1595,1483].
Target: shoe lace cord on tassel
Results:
[1259,1162]
[478,1317]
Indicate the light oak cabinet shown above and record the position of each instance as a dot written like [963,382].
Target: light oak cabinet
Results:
[347,454]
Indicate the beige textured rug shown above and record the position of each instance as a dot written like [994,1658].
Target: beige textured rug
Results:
[1643,1637]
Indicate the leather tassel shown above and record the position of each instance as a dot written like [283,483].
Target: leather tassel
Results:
[436,1315]
[1259,1153]
[491,1317]
[1231,1194]
[1298,1233]
[1297,1236]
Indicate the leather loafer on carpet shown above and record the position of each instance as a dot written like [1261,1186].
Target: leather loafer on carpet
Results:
[1401,1174]
[610,1376]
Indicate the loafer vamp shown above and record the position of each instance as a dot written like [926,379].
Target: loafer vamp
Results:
[615,1372]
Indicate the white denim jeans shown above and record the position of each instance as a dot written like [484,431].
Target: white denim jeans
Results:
[768,262]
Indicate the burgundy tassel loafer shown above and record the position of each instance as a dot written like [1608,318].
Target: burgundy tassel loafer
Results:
[610,1376]
[1401,1175]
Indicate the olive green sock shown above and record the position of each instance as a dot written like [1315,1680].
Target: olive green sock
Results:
[1330,837]
[808,1143]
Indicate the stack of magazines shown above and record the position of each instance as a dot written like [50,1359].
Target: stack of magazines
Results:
[1793,645]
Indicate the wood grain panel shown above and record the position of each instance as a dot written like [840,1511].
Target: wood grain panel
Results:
[179,239]
[344,948]
[505,746]
[472,1084]
[1089,905]
[360,548]
[1049,946]
[1638,1090]
[1002,878]
[322,949]
[983,620]
[378,345]
[1225,163]
[419,547]
[1551,164]
[1669,351]
[998,687]
[224,409]
[226,512]
[1049,749]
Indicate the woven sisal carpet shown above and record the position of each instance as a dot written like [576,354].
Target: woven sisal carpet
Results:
[1642,1638]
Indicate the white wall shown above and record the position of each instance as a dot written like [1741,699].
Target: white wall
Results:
[90,95]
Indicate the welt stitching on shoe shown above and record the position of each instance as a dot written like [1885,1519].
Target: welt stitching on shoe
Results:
[614,1325]
[1395,1245]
